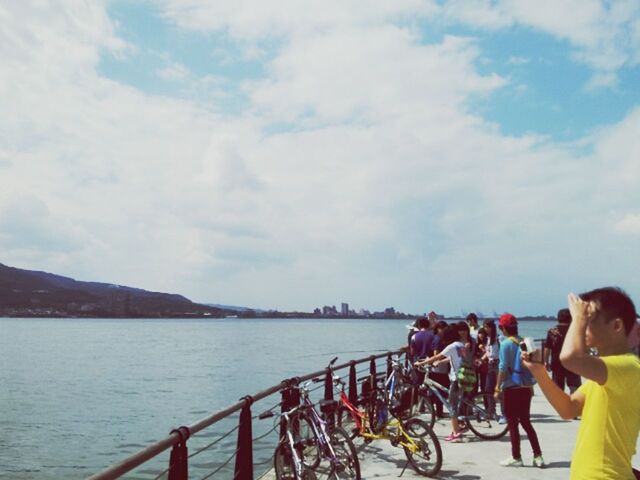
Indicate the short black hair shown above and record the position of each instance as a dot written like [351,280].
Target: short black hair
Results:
[564,316]
[613,302]
[440,324]
[450,335]
[511,329]
[423,322]
[472,316]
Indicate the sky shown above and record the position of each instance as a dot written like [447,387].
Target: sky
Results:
[447,155]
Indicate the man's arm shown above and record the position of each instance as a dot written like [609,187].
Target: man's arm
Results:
[567,406]
[575,354]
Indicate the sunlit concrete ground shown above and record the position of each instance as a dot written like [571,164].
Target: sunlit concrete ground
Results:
[478,459]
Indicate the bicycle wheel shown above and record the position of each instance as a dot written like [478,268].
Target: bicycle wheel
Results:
[426,459]
[345,421]
[482,417]
[345,450]
[423,409]
[309,446]
[284,464]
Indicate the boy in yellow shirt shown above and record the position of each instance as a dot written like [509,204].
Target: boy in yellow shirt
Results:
[608,401]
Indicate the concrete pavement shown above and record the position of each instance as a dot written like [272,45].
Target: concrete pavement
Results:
[476,459]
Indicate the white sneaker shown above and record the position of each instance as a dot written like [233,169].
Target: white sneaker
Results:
[502,420]
[538,461]
[512,462]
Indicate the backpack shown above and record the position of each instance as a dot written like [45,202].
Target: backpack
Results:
[520,375]
[466,375]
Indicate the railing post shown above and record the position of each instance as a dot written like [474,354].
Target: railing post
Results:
[328,385]
[372,375]
[244,450]
[179,457]
[353,383]
[389,367]
[290,399]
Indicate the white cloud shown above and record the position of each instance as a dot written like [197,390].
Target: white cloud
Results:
[252,20]
[174,72]
[513,60]
[629,224]
[601,80]
[603,34]
[381,188]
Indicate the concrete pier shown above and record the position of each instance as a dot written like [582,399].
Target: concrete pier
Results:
[476,459]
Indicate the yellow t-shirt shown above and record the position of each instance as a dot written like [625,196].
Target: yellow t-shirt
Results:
[610,423]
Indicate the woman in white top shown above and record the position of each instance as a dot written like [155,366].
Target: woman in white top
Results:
[453,353]
[491,355]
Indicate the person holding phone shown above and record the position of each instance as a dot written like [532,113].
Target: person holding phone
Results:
[603,319]
[515,383]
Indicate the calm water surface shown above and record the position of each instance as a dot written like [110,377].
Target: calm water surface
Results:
[77,395]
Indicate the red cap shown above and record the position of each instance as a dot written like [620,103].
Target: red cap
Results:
[507,320]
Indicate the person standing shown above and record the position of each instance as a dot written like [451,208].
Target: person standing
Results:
[516,384]
[481,360]
[551,353]
[492,356]
[439,373]
[603,319]
[453,354]
[472,321]
[421,343]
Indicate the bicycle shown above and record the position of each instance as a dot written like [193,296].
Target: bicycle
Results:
[477,412]
[309,448]
[415,437]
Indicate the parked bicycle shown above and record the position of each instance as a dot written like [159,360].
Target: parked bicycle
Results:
[309,449]
[414,436]
[478,412]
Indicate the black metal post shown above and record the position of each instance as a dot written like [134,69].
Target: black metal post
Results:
[389,367]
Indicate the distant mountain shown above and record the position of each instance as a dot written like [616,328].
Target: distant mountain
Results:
[35,293]
[234,308]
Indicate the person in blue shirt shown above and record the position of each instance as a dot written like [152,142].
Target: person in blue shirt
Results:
[515,383]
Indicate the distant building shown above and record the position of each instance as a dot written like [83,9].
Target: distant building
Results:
[330,311]
[344,309]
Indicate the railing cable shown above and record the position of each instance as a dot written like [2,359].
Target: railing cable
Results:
[233,455]
[215,441]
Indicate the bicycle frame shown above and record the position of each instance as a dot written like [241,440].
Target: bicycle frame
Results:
[320,430]
[361,420]
[298,464]
[434,386]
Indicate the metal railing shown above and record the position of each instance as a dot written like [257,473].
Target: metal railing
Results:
[243,454]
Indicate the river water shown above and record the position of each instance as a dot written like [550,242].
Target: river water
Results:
[78,395]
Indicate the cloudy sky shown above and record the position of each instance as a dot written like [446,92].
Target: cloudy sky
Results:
[452,155]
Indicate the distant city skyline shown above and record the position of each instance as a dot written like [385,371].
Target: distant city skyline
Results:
[430,155]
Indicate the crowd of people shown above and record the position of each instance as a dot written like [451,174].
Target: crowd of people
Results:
[597,338]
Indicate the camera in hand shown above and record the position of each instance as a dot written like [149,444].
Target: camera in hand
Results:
[527,345]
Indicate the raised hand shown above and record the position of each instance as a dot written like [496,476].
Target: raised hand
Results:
[580,310]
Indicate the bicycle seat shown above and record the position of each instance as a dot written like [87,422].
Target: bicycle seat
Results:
[328,405]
